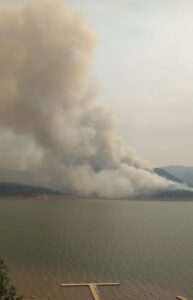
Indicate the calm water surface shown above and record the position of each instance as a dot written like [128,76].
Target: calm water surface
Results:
[147,246]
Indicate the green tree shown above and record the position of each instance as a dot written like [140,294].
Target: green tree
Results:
[7,291]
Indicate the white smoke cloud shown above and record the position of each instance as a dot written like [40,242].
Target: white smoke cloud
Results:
[48,110]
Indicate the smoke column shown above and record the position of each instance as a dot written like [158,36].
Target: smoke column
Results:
[50,123]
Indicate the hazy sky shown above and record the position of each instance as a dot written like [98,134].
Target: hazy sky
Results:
[144,66]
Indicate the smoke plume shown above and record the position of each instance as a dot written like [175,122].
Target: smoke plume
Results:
[51,125]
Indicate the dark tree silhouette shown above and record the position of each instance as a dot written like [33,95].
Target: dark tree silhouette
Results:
[7,291]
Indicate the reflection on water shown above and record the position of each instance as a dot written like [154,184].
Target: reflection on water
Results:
[147,246]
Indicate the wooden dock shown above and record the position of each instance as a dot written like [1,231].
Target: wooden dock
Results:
[92,286]
[180,298]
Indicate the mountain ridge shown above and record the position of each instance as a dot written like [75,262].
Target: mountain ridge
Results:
[163,173]
[17,189]
[183,173]
[21,183]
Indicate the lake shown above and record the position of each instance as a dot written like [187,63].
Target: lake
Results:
[145,245]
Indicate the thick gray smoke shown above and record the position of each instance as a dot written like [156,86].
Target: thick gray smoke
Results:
[50,122]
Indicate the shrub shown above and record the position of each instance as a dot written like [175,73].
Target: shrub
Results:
[7,291]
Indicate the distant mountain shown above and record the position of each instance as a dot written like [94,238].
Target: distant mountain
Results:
[16,189]
[19,183]
[163,173]
[172,194]
[176,195]
[182,172]
[14,183]
[22,177]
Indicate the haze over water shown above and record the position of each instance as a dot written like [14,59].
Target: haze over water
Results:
[147,246]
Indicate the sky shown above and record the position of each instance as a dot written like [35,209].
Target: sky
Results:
[143,66]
